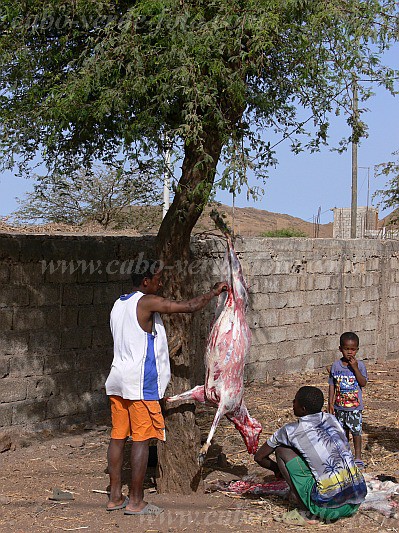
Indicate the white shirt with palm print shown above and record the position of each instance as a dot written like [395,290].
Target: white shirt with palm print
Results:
[321,441]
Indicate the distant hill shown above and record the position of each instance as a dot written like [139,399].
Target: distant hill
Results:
[249,221]
[246,221]
[390,220]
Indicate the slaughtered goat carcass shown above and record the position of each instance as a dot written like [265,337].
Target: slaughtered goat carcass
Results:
[225,355]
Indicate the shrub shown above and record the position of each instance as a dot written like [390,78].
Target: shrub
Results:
[284,232]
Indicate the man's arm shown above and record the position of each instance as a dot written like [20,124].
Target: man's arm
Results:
[156,304]
[262,458]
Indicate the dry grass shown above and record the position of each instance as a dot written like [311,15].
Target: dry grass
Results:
[78,464]
[271,404]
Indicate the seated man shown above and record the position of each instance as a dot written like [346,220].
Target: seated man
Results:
[314,457]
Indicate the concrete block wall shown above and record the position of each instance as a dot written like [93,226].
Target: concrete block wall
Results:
[366,222]
[56,293]
[305,292]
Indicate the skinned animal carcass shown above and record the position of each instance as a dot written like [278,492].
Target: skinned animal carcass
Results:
[227,347]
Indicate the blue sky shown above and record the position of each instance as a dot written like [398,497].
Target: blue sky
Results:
[300,184]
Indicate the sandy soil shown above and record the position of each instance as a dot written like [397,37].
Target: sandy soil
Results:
[77,462]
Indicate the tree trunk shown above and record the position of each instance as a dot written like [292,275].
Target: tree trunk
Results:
[178,470]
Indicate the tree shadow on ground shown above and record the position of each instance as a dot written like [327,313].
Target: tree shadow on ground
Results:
[149,480]
[216,460]
[387,437]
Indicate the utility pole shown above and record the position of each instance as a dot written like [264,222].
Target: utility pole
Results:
[368,196]
[354,163]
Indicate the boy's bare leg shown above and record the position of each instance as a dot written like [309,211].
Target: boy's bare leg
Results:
[115,461]
[357,444]
[283,455]
[139,461]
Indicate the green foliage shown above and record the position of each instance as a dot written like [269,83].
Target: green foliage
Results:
[390,195]
[84,81]
[103,196]
[284,232]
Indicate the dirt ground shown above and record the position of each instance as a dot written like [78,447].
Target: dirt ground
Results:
[77,462]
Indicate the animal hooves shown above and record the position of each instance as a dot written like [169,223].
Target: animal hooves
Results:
[171,399]
[201,458]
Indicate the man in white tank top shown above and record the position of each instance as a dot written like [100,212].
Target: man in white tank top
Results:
[139,375]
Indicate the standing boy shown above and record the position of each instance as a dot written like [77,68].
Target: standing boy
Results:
[347,378]
[314,457]
[138,378]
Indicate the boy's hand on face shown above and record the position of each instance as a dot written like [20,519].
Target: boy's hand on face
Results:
[352,361]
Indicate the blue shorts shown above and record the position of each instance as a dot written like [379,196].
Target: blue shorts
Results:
[350,420]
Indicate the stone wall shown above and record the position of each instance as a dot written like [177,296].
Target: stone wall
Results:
[56,293]
[305,292]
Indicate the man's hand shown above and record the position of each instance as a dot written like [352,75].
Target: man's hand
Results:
[220,287]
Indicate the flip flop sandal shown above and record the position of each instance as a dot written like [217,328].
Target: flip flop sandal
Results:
[149,509]
[119,507]
[360,464]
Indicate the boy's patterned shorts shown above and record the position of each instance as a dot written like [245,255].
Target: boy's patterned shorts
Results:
[350,420]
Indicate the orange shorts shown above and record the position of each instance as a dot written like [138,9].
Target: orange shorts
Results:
[139,419]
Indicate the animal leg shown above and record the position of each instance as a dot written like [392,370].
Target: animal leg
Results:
[204,450]
[197,393]
[249,427]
